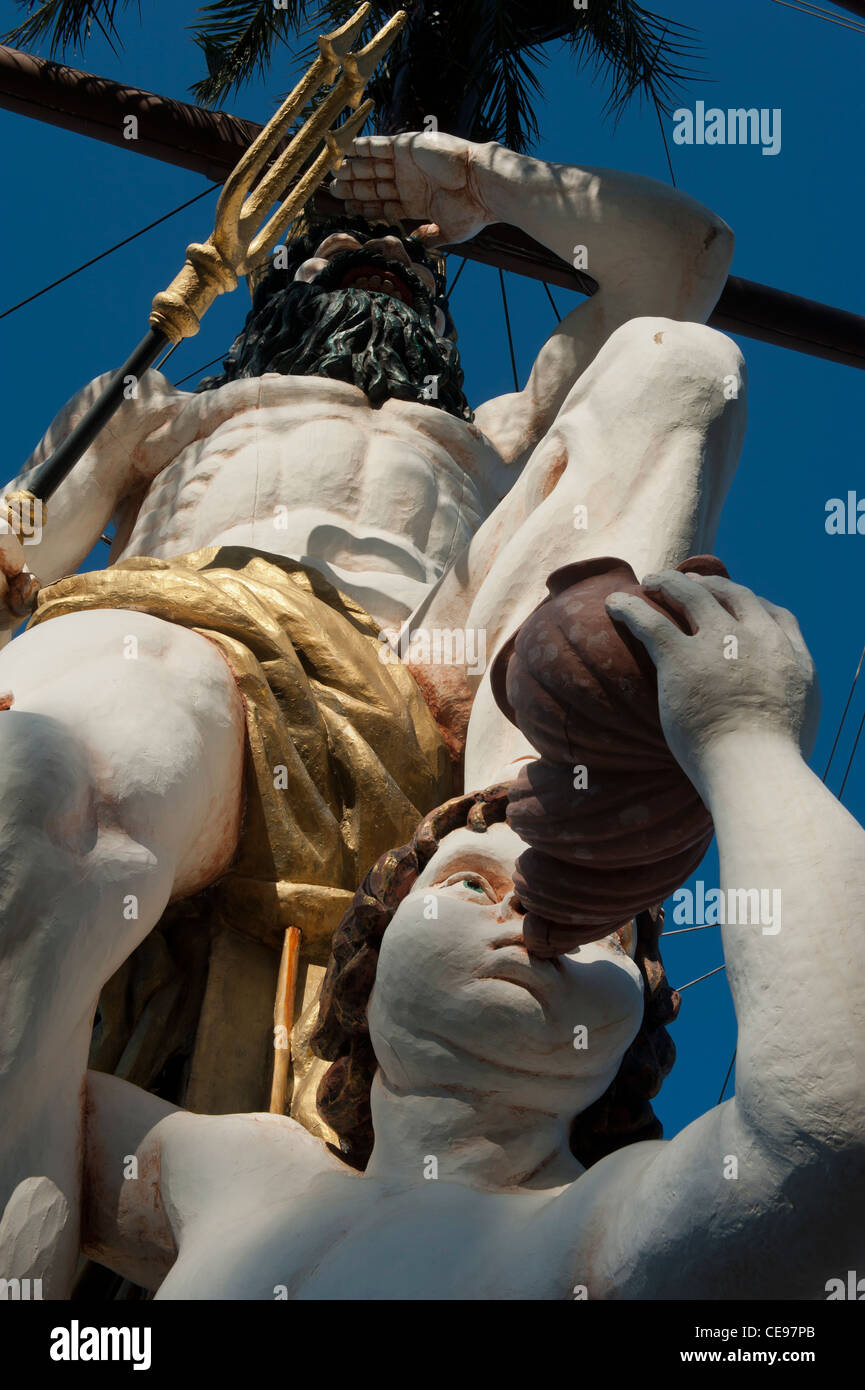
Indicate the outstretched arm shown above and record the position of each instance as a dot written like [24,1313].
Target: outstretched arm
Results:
[652,249]
[116,466]
[753,1200]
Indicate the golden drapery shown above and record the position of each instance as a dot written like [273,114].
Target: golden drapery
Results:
[343,759]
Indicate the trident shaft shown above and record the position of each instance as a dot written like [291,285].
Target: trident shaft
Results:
[239,243]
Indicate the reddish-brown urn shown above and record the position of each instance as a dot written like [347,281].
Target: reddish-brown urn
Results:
[613,824]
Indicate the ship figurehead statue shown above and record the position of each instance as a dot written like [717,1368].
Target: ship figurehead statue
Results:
[338,808]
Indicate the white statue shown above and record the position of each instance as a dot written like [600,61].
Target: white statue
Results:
[472,1191]
[123,784]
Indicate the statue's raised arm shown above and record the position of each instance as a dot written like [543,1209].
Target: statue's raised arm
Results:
[651,249]
[754,1199]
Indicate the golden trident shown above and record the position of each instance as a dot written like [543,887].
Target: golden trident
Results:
[235,247]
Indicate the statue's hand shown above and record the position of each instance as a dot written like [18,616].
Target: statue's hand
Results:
[426,176]
[745,667]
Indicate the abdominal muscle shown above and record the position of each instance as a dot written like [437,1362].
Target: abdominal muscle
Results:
[379,501]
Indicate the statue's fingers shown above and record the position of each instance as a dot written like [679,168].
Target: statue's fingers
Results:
[364,190]
[738,600]
[657,633]
[341,187]
[386,190]
[375,147]
[688,599]
[785,620]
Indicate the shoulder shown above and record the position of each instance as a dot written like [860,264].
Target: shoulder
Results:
[591,1228]
[206,1159]
[152,1171]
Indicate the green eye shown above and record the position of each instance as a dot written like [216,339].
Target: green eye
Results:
[476,887]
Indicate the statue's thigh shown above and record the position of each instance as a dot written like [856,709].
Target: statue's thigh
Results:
[637,466]
[652,434]
[156,719]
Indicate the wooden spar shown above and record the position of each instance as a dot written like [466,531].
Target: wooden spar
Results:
[283,1019]
[210,143]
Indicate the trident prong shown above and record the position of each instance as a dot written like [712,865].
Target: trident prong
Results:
[234,247]
[337,143]
[357,69]
[333,49]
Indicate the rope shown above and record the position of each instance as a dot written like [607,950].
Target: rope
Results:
[727,1077]
[199,370]
[508,327]
[680,931]
[816,13]
[552,301]
[457,276]
[162,361]
[844,716]
[852,756]
[101,257]
[700,977]
[666,146]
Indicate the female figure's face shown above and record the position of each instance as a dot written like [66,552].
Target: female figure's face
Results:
[459,1002]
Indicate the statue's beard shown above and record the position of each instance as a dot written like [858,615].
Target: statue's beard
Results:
[373,341]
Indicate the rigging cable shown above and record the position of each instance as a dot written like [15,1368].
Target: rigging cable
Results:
[508,327]
[843,719]
[816,13]
[852,756]
[101,257]
[727,1077]
[679,988]
[457,276]
[552,301]
[198,370]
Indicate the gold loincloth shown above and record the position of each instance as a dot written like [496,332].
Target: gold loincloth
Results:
[344,757]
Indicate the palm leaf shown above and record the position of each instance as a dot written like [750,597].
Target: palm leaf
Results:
[67,23]
[489,68]
[634,51]
[237,38]
[507,83]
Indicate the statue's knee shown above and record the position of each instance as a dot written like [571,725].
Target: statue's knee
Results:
[671,364]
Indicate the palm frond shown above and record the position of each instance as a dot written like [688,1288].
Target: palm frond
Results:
[635,51]
[67,24]
[238,39]
[307,19]
[507,81]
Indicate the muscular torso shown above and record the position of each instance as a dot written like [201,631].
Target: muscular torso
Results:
[379,500]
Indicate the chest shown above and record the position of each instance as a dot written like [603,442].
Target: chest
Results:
[438,1241]
[294,464]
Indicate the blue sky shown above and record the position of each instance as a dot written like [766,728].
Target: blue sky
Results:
[797,218]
